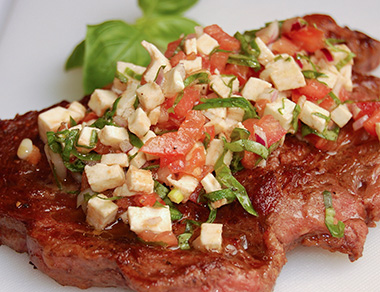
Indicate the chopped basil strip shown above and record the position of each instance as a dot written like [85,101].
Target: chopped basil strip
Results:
[199,78]
[331,135]
[207,140]
[310,74]
[245,47]
[227,180]
[176,101]
[72,122]
[296,113]
[212,215]
[134,140]
[240,102]
[335,98]
[248,145]
[238,134]
[183,239]
[227,194]
[242,60]
[175,214]
[107,118]
[336,230]
[160,189]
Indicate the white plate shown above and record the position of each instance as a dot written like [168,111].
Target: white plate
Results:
[36,37]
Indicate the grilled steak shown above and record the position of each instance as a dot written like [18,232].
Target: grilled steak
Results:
[38,218]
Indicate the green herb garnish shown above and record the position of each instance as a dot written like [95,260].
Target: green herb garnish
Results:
[336,230]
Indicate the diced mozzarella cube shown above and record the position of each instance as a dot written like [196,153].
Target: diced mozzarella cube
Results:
[210,238]
[186,184]
[214,150]
[101,100]
[210,183]
[224,126]
[154,115]
[139,160]
[51,120]
[228,157]
[123,191]
[139,123]
[266,54]
[254,87]
[310,115]
[339,53]
[220,86]
[158,61]
[150,96]
[100,212]
[198,31]
[192,65]
[190,46]
[87,139]
[129,70]
[235,113]
[149,219]
[77,111]
[341,115]
[147,136]
[346,74]
[173,80]
[113,136]
[115,159]
[139,180]
[206,43]
[282,110]
[330,76]
[125,107]
[285,73]
[212,113]
[103,177]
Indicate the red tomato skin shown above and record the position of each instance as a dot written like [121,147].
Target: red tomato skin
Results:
[192,126]
[313,90]
[225,41]
[172,47]
[307,38]
[177,57]
[367,108]
[285,46]
[370,124]
[147,200]
[218,61]
[190,96]
[243,73]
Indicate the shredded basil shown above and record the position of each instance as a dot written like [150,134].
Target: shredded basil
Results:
[247,145]
[183,239]
[240,102]
[246,47]
[134,140]
[199,78]
[336,230]
[311,74]
[296,113]
[107,118]
[243,60]
[331,135]
[227,180]
[227,194]
[212,214]
[239,134]
[335,98]
[160,189]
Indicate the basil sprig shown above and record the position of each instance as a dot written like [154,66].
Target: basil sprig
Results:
[241,102]
[198,78]
[111,41]
[336,230]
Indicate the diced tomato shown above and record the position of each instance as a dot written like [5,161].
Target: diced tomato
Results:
[102,149]
[177,57]
[370,124]
[166,237]
[366,108]
[243,73]
[191,95]
[225,41]
[327,103]
[272,128]
[172,47]
[249,159]
[211,131]
[313,90]
[307,38]
[285,46]
[90,116]
[147,200]
[260,106]
[192,126]
[218,61]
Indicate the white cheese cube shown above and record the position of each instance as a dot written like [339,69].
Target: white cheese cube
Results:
[129,70]
[123,191]
[158,61]
[235,113]
[100,212]
[150,95]
[139,180]
[186,184]
[149,219]
[285,73]
[206,43]
[341,115]
[125,107]
[214,150]
[310,115]
[192,65]
[198,31]
[232,82]
[254,87]
[87,139]
[173,80]
[220,87]
[339,53]
[266,54]
[330,74]
[228,157]
[139,123]
[113,136]
[101,100]
[224,126]
[148,135]
[115,159]
[103,177]
[51,120]
[210,183]
[154,115]
[282,110]
[213,113]
[190,46]
[77,111]
[346,74]
[139,160]
[210,237]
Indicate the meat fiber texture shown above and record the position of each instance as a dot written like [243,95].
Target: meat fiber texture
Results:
[37,218]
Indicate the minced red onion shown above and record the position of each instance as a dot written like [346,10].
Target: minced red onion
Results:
[359,123]
[274,95]
[327,54]
[260,136]
[270,33]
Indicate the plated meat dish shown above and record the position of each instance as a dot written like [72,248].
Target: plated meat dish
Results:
[304,153]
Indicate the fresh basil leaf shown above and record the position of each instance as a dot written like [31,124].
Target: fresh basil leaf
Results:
[245,47]
[226,179]
[211,215]
[331,135]
[240,102]
[238,134]
[134,140]
[175,214]
[243,60]
[296,113]
[199,78]
[107,118]
[336,230]
[227,194]
[160,189]
[76,58]
[312,74]
[164,7]
[247,145]
[183,240]
[235,162]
